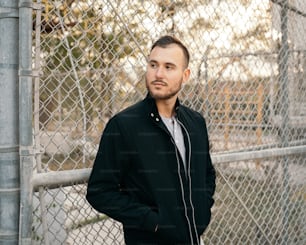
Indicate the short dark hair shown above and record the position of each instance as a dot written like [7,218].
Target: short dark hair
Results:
[164,41]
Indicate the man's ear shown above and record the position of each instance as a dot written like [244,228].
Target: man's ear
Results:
[186,74]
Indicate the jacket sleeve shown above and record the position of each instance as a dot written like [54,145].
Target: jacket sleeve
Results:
[211,173]
[211,177]
[104,186]
[210,170]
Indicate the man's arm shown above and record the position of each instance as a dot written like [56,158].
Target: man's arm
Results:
[104,192]
[211,177]
[210,172]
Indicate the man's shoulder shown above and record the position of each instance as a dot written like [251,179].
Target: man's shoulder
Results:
[131,114]
[189,111]
[132,110]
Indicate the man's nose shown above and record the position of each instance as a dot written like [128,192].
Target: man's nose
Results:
[159,72]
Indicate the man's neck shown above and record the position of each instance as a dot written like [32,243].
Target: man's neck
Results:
[166,108]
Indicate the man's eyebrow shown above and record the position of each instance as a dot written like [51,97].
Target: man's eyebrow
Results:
[152,61]
[170,64]
[167,63]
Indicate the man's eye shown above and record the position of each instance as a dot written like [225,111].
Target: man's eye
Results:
[153,65]
[169,67]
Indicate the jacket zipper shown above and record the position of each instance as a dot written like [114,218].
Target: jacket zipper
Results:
[189,177]
[181,181]
[182,191]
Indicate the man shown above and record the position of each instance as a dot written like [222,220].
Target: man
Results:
[153,171]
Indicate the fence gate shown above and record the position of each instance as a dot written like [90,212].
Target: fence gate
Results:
[248,62]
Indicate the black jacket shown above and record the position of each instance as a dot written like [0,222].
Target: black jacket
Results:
[138,176]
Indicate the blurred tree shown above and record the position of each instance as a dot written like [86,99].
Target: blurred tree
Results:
[82,46]
[87,43]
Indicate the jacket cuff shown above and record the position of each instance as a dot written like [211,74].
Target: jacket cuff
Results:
[150,221]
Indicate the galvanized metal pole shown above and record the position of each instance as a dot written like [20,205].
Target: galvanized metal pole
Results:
[25,120]
[9,110]
[285,123]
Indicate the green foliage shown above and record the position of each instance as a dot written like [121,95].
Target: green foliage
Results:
[81,45]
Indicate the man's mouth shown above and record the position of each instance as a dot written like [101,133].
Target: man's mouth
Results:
[159,82]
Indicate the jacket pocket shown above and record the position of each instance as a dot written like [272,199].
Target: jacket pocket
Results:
[203,212]
[150,221]
[172,226]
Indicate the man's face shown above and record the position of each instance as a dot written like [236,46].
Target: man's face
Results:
[166,71]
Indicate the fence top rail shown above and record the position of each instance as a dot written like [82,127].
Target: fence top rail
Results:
[56,179]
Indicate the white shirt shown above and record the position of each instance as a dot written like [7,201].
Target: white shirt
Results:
[176,131]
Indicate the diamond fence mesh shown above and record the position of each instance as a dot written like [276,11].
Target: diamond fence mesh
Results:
[248,61]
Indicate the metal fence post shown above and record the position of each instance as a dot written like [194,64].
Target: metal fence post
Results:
[284,128]
[9,140]
[25,119]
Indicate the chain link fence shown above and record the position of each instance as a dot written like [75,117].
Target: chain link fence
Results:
[248,80]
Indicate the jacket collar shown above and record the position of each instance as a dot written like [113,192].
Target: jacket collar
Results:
[153,108]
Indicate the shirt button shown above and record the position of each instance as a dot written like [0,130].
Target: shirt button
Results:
[157,119]
[152,115]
